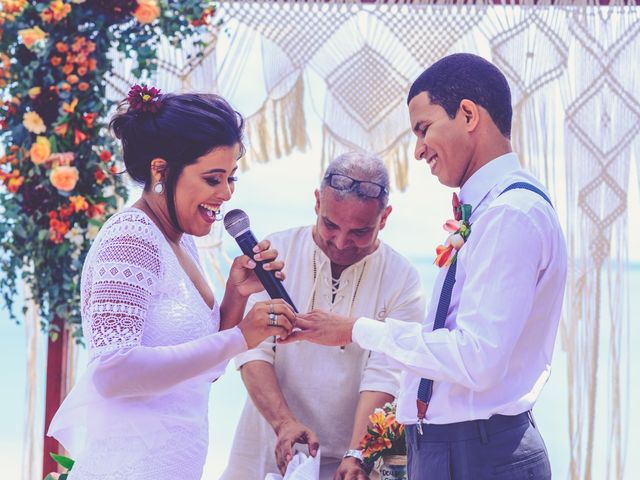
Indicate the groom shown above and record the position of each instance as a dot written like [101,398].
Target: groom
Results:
[475,367]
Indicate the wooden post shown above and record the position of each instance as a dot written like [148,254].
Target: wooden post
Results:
[57,353]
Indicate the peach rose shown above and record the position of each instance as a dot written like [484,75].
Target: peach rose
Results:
[64,178]
[40,150]
[30,36]
[34,123]
[147,11]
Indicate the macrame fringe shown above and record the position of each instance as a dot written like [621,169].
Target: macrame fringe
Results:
[277,128]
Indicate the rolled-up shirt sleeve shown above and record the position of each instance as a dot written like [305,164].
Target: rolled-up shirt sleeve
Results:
[493,308]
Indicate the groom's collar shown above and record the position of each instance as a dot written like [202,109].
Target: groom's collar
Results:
[487,177]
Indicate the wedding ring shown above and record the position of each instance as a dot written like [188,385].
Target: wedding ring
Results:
[273,319]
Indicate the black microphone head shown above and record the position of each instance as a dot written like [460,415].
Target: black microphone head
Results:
[236,222]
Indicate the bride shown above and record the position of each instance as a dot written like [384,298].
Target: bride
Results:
[157,336]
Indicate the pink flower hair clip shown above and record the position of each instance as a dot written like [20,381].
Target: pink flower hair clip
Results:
[144,99]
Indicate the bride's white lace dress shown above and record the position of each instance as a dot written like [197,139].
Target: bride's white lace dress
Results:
[140,409]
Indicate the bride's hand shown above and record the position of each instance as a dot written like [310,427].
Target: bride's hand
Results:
[242,277]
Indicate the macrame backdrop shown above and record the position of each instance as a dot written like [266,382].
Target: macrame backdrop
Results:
[576,95]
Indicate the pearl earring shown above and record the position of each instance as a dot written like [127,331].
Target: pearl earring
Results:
[158,188]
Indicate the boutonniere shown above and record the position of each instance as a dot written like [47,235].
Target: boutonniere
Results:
[459,229]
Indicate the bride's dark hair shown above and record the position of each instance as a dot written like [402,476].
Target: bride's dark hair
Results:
[183,128]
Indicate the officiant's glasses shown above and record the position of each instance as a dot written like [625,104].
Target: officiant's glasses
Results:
[345,182]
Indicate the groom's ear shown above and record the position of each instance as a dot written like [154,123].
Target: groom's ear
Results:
[470,113]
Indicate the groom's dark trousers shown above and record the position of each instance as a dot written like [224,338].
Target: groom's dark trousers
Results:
[500,448]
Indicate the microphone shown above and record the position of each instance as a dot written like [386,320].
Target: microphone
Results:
[236,222]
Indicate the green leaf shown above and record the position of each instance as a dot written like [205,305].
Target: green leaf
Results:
[63,461]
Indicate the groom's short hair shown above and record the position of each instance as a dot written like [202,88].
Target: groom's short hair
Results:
[466,76]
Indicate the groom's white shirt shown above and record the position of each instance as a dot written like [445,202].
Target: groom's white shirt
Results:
[494,355]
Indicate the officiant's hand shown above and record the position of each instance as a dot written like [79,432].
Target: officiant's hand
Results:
[290,433]
[351,469]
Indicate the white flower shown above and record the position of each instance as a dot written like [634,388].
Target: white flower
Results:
[456,241]
[76,237]
[108,191]
[92,231]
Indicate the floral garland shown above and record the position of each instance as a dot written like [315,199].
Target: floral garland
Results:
[58,174]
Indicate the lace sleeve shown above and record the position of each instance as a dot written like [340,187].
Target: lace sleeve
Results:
[122,272]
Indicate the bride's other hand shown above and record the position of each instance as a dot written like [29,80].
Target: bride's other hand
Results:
[242,277]
[265,319]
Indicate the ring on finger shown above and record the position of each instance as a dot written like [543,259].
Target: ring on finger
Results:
[273,320]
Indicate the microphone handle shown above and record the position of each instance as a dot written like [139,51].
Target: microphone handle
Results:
[274,287]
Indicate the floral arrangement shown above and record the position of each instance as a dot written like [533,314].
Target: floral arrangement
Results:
[459,229]
[59,167]
[385,436]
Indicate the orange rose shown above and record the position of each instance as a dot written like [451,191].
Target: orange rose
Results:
[30,36]
[64,178]
[147,11]
[83,86]
[40,150]
[73,79]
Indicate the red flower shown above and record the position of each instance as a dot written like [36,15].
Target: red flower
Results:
[457,213]
[145,99]
[105,156]
[79,136]
[89,118]
[443,255]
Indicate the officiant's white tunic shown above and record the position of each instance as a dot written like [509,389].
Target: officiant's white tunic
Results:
[322,384]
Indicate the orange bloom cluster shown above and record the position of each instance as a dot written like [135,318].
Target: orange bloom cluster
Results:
[384,433]
[59,221]
[75,61]
[58,225]
[12,180]
[55,12]
[11,9]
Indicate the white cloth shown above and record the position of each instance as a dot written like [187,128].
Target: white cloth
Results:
[494,356]
[321,384]
[301,467]
[140,409]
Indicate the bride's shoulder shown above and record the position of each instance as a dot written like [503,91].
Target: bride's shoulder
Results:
[131,222]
